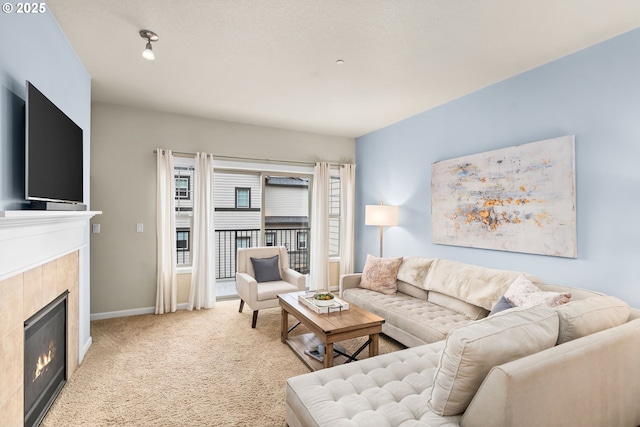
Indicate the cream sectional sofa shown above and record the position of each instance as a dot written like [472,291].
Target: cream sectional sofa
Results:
[433,297]
[576,364]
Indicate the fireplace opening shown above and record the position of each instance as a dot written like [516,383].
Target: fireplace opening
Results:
[45,359]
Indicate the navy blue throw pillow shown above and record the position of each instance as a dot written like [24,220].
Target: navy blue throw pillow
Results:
[501,305]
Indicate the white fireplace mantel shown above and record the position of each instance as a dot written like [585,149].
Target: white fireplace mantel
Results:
[29,238]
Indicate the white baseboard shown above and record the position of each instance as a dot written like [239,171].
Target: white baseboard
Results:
[85,348]
[132,312]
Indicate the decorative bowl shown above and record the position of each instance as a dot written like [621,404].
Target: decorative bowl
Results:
[323,299]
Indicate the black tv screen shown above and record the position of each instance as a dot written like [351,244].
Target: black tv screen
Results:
[53,152]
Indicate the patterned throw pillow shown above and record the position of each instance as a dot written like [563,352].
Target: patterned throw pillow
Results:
[524,293]
[381,274]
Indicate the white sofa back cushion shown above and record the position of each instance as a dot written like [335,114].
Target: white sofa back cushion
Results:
[472,350]
[587,316]
[414,270]
[470,283]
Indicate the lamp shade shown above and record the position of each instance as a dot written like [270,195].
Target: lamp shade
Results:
[381,215]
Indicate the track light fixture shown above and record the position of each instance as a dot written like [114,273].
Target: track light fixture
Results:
[151,37]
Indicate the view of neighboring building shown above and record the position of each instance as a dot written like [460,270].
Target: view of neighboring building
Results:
[242,201]
[183,175]
[237,198]
[286,218]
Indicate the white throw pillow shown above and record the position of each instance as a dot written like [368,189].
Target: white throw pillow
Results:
[522,292]
[472,350]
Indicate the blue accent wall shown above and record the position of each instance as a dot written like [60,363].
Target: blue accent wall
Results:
[593,94]
[34,48]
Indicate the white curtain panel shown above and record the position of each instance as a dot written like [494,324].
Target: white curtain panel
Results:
[167,283]
[319,247]
[203,267]
[347,217]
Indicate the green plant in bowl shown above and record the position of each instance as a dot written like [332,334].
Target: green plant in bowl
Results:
[323,298]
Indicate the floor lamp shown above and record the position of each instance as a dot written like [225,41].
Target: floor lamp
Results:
[381,215]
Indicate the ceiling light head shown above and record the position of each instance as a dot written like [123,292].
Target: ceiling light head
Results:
[151,37]
[147,53]
[340,61]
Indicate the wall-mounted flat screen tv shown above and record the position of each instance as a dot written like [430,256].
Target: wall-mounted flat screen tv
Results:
[53,152]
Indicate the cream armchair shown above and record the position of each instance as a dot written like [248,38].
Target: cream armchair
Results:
[264,294]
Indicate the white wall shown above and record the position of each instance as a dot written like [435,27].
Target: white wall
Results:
[123,186]
[34,48]
[593,94]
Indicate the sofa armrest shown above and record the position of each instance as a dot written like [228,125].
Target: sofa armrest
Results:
[348,281]
[590,381]
[295,278]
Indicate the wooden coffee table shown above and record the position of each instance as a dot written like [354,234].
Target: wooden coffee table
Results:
[327,329]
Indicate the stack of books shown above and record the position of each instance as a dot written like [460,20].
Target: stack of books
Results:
[318,352]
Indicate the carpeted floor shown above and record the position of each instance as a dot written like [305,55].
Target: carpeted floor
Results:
[200,368]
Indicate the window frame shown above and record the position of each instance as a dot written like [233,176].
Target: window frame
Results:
[243,239]
[237,191]
[184,168]
[269,233]
[300,234]
[188,240]
[178,190]
[335,217]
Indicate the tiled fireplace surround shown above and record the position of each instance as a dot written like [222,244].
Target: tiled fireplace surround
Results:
[21,296]
[44,272]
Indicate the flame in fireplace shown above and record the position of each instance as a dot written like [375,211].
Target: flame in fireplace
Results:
[44,360]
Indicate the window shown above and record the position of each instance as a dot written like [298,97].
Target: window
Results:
[243,242]
[183,173]
[270,238]
[183,187]
[334,216]
[183,246]
[302,240]
[182,239]
[243,198]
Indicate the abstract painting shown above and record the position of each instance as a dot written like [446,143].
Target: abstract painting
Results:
[517,199]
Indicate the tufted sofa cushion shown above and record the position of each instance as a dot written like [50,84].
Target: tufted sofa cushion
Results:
[471,311]
[424,320]
[387,390]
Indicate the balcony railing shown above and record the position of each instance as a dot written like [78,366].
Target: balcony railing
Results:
[227,242]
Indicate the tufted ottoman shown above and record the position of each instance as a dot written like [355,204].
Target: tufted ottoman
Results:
[388,390]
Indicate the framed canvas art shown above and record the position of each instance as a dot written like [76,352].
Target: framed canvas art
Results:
[517,199]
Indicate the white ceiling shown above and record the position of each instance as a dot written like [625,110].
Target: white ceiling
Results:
[273,62]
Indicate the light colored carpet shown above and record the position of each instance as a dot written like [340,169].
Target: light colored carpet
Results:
[200,368]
